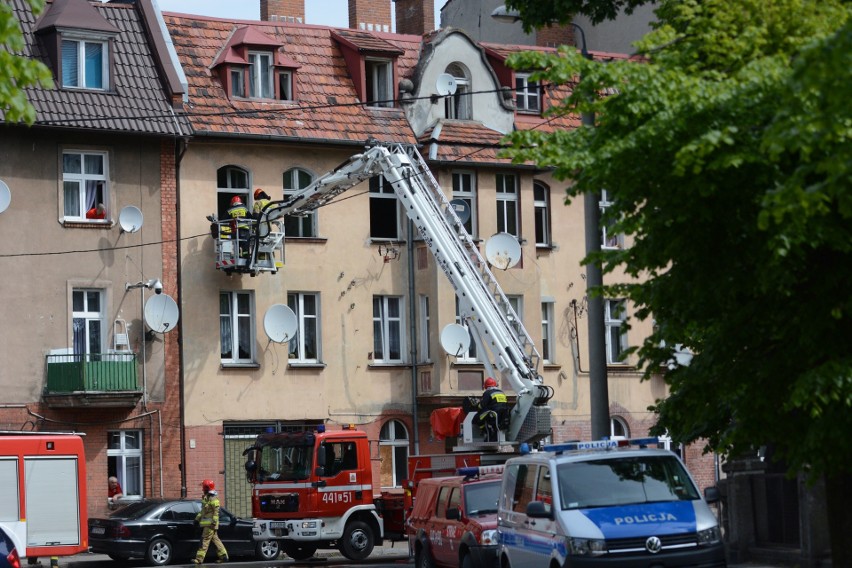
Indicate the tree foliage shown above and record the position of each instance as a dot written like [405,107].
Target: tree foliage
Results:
[728,155]
[17,72]
[536,13]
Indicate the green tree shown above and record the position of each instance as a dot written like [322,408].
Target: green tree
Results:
[728,155]
[17,72]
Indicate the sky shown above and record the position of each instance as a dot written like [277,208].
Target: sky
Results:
[320,12]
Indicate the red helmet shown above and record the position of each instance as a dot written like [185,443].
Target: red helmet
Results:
[207,485]
[490,382]
[257,193]
[235,200]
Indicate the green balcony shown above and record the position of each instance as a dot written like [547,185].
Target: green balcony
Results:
[92,380]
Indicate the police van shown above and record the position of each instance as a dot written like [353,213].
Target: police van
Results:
[605,503]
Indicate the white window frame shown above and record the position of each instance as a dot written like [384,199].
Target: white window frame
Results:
[389,436]
[81,179]
[507,198]
[285,85]
[459,106]
[381,189]
[527,94]
[382,328]
[88,317]
[230,190]
[542,215]
[307,223]
[131,479]
[618,428]
[238,81]
[464,188]
[234,317]
[379,91]
[547,335]
[608,241]
[425,323]
[81,43]
[471,355]
[615,320]
[298,348]
[261,75]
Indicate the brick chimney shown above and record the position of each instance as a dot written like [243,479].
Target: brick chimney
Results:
[373,15]
[415,17]
[554,36]
[282,10]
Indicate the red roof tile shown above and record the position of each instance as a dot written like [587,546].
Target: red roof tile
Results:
[327,109]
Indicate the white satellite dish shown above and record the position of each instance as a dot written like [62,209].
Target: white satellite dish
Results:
[280,323]
[461,209]
[130,219]
[455,339]
[503,251]
[5,196]
[445,84]
[161,313]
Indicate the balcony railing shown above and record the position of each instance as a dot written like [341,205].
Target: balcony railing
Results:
[103,375]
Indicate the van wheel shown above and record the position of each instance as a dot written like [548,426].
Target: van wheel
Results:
[423,559]
[267,550]
[159,552]
[299,551]
[357,542]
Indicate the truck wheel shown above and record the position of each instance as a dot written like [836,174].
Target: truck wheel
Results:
[159,552]
[357,542]
[298,551]
[423,559]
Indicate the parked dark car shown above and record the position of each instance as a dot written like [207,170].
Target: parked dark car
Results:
[9,556]
[164,532]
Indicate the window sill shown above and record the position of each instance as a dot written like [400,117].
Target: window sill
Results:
[107,224]
[389,365]
[530,111]
[467,364]
[551,366]
[545,248]
[382,241]
[225,366]
[307,240]
[298,365]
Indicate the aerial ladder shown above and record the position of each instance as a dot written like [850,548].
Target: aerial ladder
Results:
[506,347]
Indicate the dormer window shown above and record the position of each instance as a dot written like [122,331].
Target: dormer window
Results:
[527,93]
[238,82]
[85,64]
[379,86]
[260,76]
[285,85]
[458,105]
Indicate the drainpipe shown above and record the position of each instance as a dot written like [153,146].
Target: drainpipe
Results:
[412,308]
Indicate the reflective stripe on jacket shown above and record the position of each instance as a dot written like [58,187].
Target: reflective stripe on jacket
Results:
[238,213]
[209,514]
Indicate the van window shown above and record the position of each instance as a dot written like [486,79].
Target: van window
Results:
[623,481]
[441,511]
[543,489]
[520,481]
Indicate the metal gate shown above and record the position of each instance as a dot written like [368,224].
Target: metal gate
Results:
[239,436]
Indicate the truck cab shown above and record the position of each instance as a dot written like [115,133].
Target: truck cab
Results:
[604,504]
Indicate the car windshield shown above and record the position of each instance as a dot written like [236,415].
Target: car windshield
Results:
[624,481]
[481,498]
[288,462]
[136,510]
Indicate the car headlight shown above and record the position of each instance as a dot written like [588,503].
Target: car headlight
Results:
[709,536]
[586,546]
[488,537]
[309,524]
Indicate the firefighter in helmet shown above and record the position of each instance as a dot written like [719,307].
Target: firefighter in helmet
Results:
[240,224]
[261,200]
[208,518]
[493,411]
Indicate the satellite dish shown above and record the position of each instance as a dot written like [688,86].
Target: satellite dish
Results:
[446,84]
[130,219]
[161,313]
[280,323]
[503,251]
[5,196]
[461,209]
[455,339]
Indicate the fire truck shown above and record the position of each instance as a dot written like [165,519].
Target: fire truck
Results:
[43,493]
[306,490]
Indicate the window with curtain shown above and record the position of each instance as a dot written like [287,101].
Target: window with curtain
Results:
[261,75]
[299,225]
[305,347]
[124,460]
[87,321]
[387,329]
[615,320]
[507,204]
[541,202]
[85,64]
[464,188]
[236,327]
[547,340]
[458,105]
[84,183]
[470,355]
[379,82]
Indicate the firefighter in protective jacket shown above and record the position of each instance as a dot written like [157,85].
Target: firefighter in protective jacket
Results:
[208,518]
[493,410]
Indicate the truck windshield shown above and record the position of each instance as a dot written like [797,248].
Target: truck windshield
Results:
[285,463]
[623,481]
[481,498]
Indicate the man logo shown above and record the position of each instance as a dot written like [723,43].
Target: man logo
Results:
[653,545]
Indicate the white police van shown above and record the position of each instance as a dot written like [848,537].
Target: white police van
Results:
[605,503]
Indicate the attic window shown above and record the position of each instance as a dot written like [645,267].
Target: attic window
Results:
[85,64]
[458,105]
[379,76]
[260,75]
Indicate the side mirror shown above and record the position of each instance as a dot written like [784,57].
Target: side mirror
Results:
[251,466]
[321,455]
[712,495]
[454,514]
[319,471]
[538,510]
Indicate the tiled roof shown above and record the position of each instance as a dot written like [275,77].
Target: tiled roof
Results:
[327,109]
[137,103]
[462,141]
[365,41]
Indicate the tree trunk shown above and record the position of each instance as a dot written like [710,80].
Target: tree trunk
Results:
[838,492]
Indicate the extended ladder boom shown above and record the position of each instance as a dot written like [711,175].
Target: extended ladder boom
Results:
[498,332]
